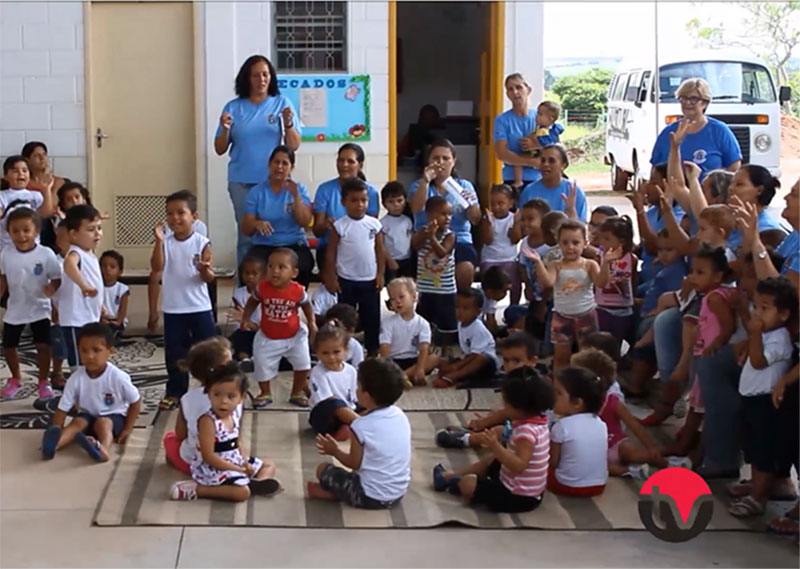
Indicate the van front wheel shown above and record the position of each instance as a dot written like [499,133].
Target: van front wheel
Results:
[619,178]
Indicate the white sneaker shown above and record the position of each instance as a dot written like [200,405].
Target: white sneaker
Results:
[679,462]
[680,408]
[638,472]
[183,490]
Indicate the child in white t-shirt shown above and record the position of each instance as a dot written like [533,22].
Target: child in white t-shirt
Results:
[80,297]
[251,271]
[321,301]
[106,400]
[479,364]
[501,232]
[379,458]
[398,228]
[180,445]
[17,175]
[769,357]
[357,260]
[406,336]
[183,257]
[30,273]
[510,478]
[346,317]
[579,439]
[115,293]
[333,385]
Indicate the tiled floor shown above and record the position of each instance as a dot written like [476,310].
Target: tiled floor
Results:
[46,510]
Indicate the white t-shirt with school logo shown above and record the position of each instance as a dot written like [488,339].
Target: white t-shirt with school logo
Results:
[339,384]
[404,336]
[397,230]
[27,273]
[355,256]
[475,338]
[110,393]
[112,298]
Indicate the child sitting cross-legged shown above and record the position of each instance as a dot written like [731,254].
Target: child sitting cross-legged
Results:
[219,468]
[516,350]
[379,459]
[406,336]
[333,385]
[513,478]
[346,317]
[479,363]
[104,395]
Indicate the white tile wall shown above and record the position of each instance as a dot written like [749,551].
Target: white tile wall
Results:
[41,81]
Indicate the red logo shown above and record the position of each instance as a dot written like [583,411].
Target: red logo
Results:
[675,504]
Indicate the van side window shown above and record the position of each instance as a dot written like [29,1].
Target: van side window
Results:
[619,88]
[632,92]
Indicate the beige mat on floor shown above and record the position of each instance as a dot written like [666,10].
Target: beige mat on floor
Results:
[137,491]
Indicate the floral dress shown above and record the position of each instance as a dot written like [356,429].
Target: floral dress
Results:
[226,446]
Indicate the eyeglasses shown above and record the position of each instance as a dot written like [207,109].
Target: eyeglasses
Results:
[693,99]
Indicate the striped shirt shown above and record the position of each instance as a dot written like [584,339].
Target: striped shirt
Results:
[533,480]
[435,274]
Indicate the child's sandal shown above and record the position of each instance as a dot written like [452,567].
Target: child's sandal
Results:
[443,382]
[299,399]
[168,403]
[262,400]
[746,507]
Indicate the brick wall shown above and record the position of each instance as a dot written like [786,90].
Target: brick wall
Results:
[41,82]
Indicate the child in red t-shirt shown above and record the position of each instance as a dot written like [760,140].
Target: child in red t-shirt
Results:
[281,333]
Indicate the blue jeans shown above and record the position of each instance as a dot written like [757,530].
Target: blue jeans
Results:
[238,193]
[668,329]
[181,331]
[719,385]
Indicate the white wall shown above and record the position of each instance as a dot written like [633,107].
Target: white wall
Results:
[524,49]
[235,30]
[41,82]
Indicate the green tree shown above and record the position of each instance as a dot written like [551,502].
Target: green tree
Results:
[771,33]
[586,91]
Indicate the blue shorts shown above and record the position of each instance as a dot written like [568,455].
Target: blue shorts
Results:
[323,416]
[117,422]
[466,253]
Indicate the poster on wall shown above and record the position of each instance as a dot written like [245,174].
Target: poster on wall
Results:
[332,108]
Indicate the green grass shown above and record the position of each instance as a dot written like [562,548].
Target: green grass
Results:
[576,131]
[587,167]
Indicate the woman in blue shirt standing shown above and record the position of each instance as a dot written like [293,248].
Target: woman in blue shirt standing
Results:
[511,130]
[554,188]
[276,213]
[252,125]
[441,165]
[709,143]
[328,199]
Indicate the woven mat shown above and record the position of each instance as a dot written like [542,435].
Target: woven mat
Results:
[137,492]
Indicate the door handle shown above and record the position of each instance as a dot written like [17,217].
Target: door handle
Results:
[99,136]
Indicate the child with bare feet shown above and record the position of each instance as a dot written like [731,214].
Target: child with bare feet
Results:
[219,469]
[107,401]
[379,458]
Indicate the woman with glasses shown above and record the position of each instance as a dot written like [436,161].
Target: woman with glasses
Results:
[709,143]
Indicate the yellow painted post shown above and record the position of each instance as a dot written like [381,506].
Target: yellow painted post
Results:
[392,90]
[497,35]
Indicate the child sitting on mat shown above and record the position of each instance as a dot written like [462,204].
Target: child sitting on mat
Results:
[379,458]
[346,317]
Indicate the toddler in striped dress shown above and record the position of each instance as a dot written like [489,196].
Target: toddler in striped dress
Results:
[510,479]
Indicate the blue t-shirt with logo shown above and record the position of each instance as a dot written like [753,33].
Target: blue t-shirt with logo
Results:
[510,127]
[328,199]
[277,209]
[459,223]
[713,147]
[553,196]
[255,132]
[790,250]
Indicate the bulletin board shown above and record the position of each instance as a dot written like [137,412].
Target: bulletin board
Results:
[332,108]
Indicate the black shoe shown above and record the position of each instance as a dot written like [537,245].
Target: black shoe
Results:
[246,365]
[451,437]
[265,487]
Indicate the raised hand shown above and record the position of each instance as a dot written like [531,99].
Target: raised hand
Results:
[288,116]
[571,197]
[225,121]
[679,134]
[637,198]
[158,231]
[292,186]
[613,254]
[430,172]
[755,326]
[692,171]
[326,444]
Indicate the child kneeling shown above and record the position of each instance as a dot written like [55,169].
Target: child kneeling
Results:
[380,445]
[511,479]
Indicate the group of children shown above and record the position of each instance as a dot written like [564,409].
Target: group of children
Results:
[582,286]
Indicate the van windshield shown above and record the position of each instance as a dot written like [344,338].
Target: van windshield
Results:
[731,81]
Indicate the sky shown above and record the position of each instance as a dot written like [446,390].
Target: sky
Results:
[612,29]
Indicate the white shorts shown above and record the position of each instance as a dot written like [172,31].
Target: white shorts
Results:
[267,354]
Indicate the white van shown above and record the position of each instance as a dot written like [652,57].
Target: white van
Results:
[641,104]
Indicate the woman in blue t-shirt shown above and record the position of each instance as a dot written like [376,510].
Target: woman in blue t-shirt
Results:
[440,165]
[252,125]
[511,130]
[754,185]
[554,188]
[276,213]
[709,143]
[328,199]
